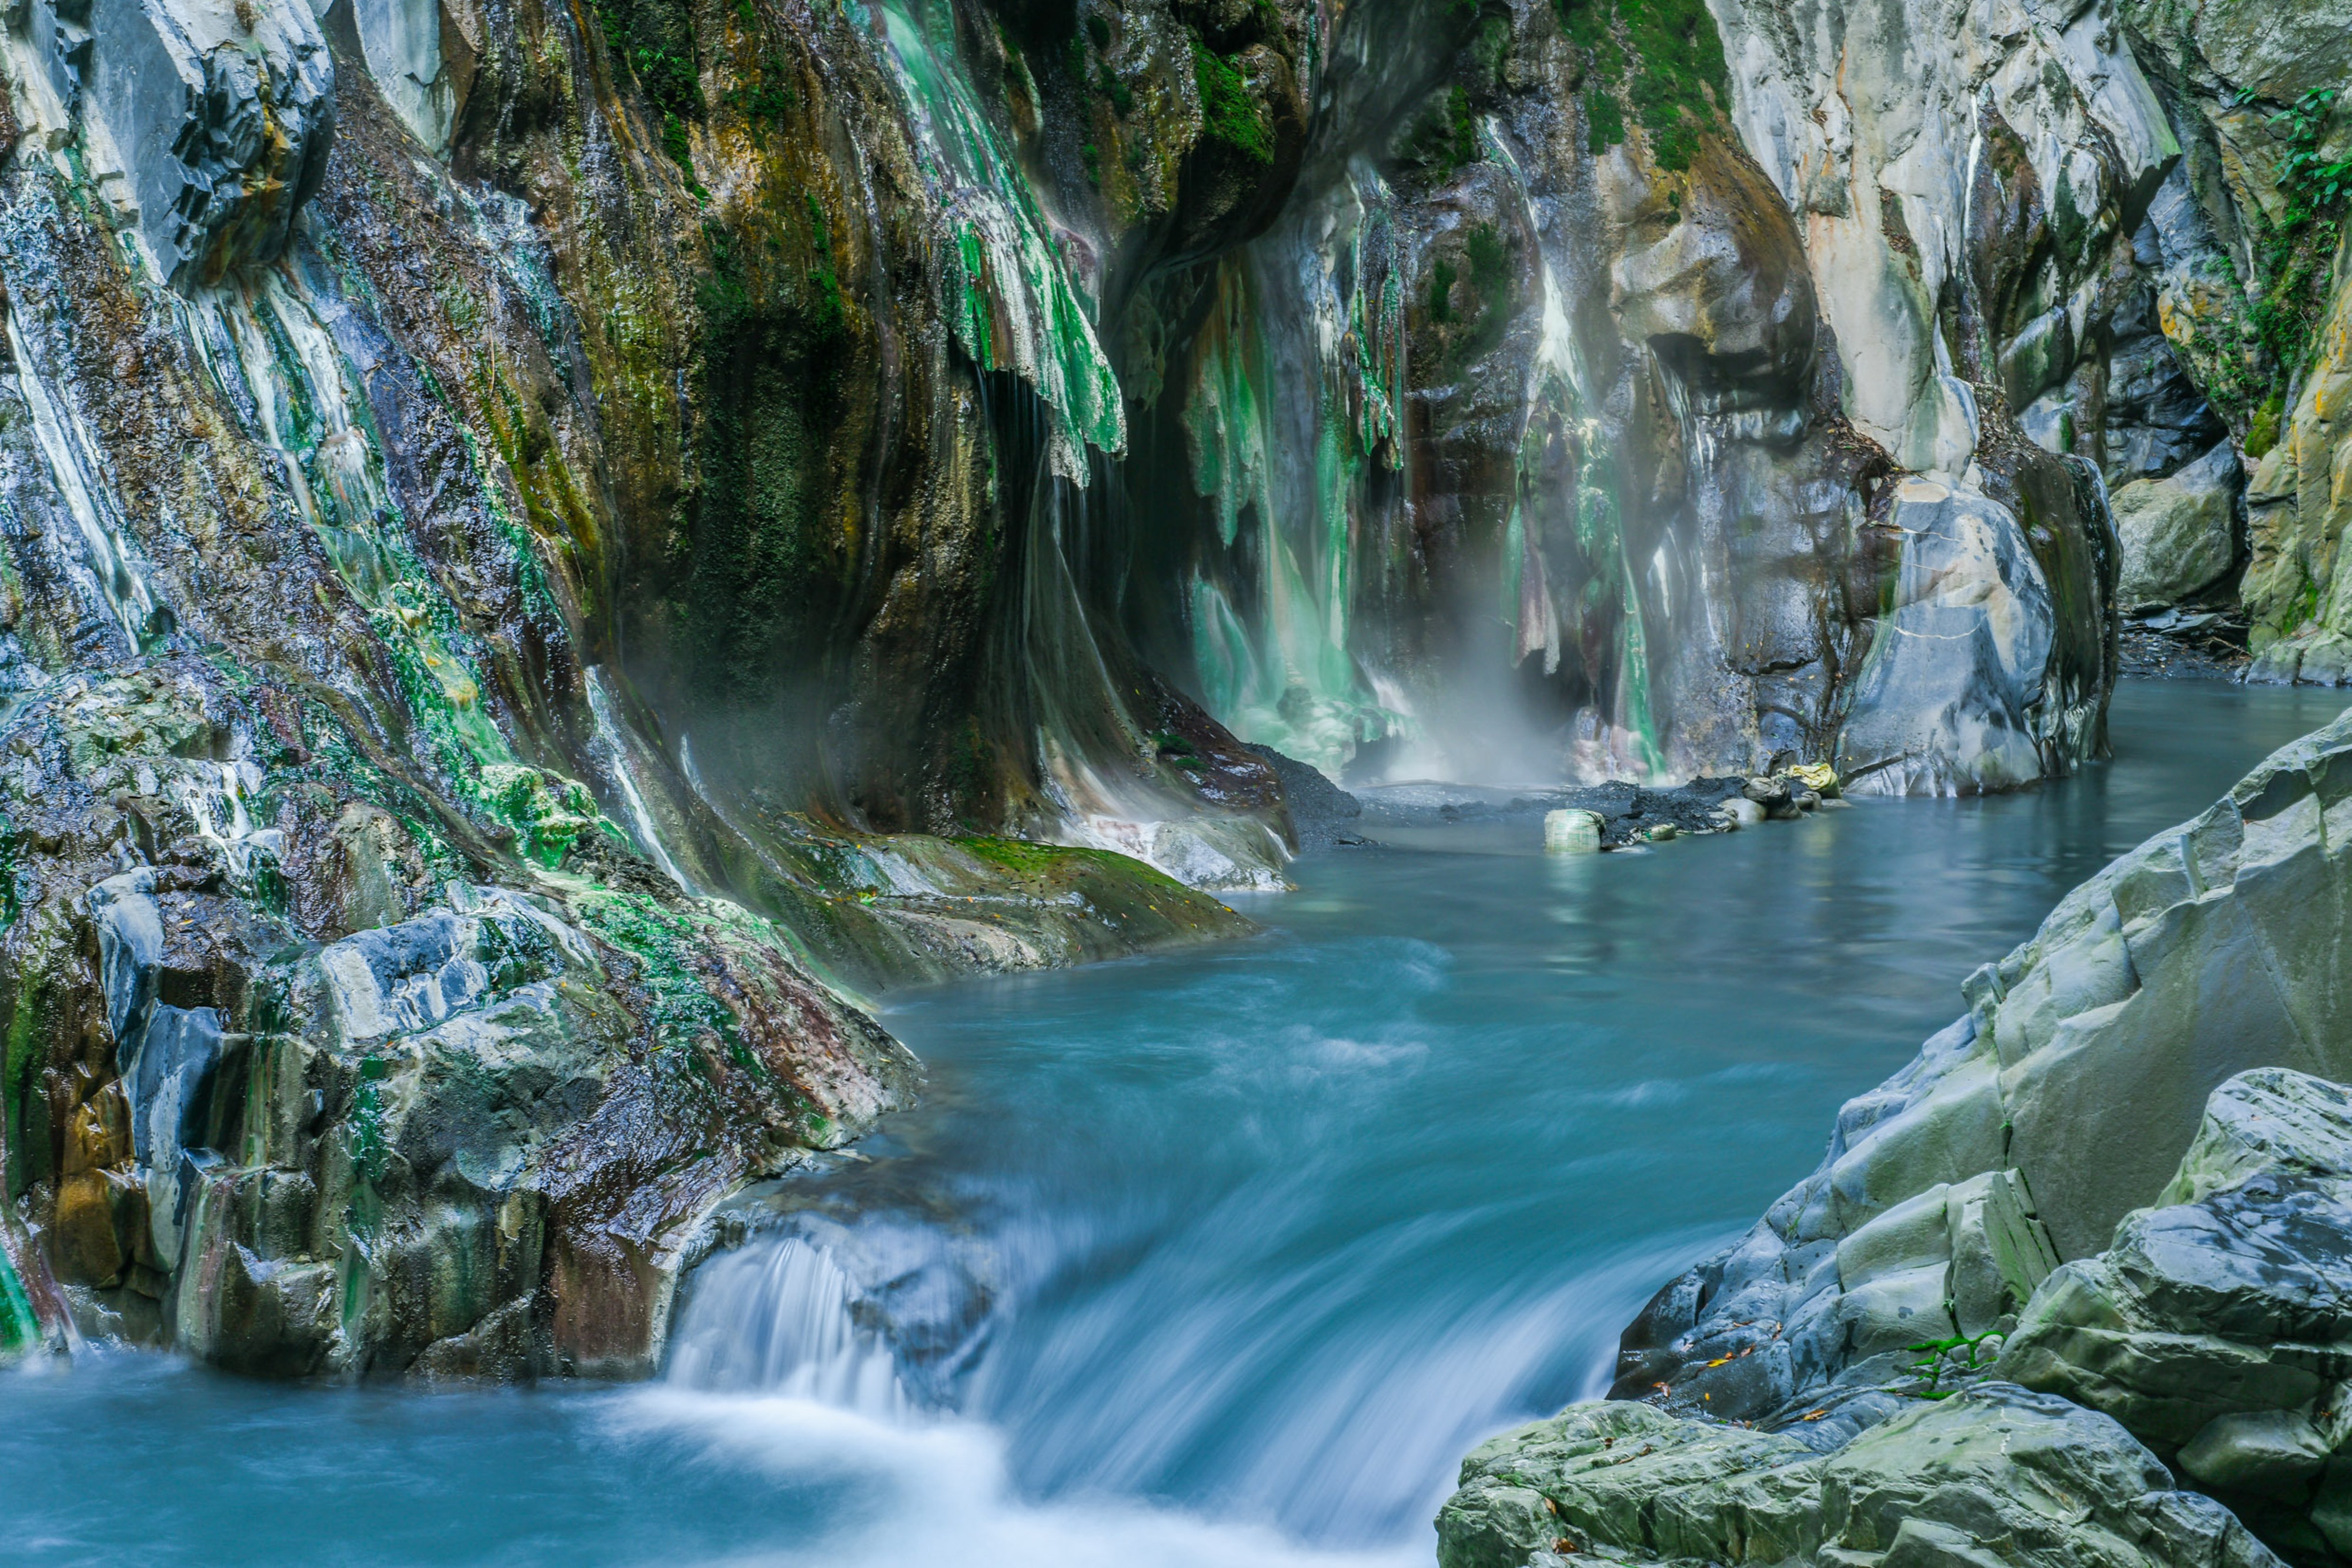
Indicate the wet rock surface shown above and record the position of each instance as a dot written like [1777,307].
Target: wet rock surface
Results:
[2200,644]
[1951,1191]
[2103,1216]
[2212,1325]
[1321,813]
[812,500]
[1996,1474]
[1627,813]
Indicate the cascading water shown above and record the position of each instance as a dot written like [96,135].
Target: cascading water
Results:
[1019,311]
[779,1318]
[615,742]
[1291,471]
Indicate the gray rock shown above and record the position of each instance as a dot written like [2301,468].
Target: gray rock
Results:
[2214,1327]
[2180,532]
[1995,1475]
[1321,813]
[2157,422]
[1949,701]
[2219,946]
[218,117]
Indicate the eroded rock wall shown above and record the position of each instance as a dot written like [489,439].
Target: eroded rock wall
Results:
[393,983]
[1525,442]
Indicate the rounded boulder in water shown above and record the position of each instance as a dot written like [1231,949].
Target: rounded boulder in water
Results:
[1571,832]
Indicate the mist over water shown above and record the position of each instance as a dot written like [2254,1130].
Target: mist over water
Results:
[1222,1256]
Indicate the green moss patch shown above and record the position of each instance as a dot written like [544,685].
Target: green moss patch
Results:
[1662,60]
[1230,118]
[654,40]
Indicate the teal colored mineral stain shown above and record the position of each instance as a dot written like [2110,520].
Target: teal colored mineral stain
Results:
[1290,679]
[1015,306]
[1293,498]
[20,1327]
[271,345]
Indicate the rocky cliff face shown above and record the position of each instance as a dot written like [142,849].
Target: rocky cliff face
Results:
[436,621]
[1579,469]
[755,502]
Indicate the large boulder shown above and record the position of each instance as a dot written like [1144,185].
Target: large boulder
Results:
[2179,532]
[1994,1475]
[1943,706]
[2213,1326]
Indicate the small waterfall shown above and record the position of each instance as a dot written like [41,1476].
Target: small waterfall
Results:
[781,1319]
[219,803]
[1323,310]
[608,732]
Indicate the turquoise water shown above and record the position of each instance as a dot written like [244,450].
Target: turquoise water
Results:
[1217,1257]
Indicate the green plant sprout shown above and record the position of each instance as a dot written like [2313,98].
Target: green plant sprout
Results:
[1957,1356]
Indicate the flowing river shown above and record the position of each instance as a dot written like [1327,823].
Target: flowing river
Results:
[1222,1258]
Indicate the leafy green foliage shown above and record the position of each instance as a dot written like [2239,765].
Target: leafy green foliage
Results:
[2298,253]
[653,39]
[1121,95]
[1443,138]
[1490,277]
[1958,1356]
[2316,183]
[767,98]
[676,143]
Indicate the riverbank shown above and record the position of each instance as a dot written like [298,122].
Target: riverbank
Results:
[2098,1183]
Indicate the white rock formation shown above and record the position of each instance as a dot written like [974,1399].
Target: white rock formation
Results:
[208,119]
